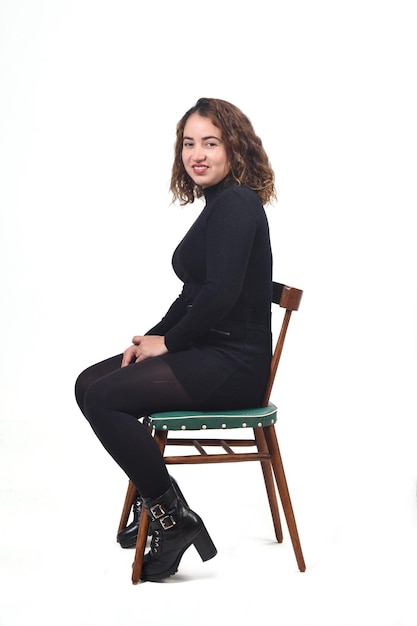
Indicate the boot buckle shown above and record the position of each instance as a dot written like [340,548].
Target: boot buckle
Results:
[167,522]
[157,511]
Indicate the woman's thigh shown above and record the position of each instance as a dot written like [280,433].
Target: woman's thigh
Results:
[137,389]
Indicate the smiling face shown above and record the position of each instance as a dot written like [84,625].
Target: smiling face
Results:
[203,152]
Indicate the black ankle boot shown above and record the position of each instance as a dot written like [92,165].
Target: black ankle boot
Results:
[174,528]
[128,536]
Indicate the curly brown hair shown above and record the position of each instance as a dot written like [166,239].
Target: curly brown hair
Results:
[249,162]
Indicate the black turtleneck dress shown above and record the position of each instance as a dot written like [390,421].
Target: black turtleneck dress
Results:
[218,332]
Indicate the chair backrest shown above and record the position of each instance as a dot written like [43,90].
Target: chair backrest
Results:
[288,298]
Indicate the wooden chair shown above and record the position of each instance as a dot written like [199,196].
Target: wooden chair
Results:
[264,443]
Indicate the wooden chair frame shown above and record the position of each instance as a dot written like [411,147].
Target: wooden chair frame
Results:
[264,442]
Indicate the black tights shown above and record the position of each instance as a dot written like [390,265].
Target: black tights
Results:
[112,398]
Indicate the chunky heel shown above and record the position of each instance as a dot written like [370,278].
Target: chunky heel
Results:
[204,545]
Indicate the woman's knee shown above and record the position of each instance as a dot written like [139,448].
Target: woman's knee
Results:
[94,400]
[92,374]
[81,386]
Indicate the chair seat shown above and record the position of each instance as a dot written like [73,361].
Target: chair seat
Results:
[202,420]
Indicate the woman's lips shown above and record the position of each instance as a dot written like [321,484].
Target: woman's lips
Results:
[200,169]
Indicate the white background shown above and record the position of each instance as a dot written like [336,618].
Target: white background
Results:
[90,93]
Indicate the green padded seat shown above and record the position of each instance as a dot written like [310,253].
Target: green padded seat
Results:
[202,420]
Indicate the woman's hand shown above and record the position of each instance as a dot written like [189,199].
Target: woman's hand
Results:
[144,347]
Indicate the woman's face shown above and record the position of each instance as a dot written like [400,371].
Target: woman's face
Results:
[203,152]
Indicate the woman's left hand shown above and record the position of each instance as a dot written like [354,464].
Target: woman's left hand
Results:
[144,347]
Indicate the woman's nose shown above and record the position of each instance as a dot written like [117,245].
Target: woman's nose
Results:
[199,154]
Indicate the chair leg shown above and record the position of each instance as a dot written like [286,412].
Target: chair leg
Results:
[127,507]
[140,548]
[272,443]
[269,483]
[160,438]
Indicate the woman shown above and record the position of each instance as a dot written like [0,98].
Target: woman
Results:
[212,349]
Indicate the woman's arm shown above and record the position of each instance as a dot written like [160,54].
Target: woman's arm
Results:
[153,343]
[174,314]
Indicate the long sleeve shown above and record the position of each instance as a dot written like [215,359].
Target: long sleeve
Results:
[174,314]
